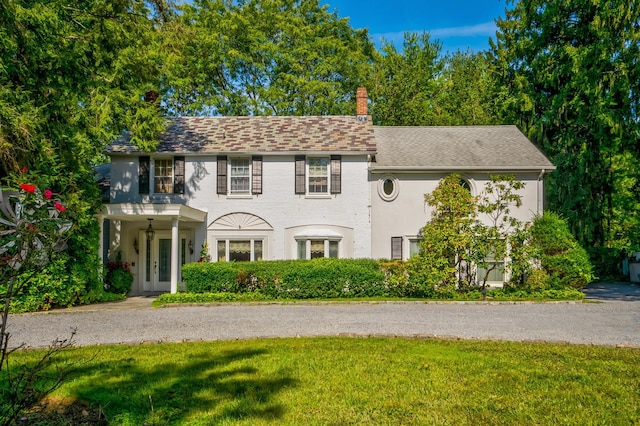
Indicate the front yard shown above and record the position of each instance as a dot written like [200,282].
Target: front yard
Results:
[352,381]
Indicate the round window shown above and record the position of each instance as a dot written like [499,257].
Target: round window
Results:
[388,188]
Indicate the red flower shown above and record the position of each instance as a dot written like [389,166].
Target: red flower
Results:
[48,194]
[27,187]
[59,207]
[24,170]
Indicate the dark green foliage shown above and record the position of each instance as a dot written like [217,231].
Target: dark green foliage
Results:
[522,294]
[209,298]
[568,75]
[118,281]
[607,263]
[289,279]
[560,255]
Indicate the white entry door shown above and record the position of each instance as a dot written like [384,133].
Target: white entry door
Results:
[157,261]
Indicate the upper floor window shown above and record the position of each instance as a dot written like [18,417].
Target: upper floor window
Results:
[318,175]
[239,175]
[163,176]
[167,175]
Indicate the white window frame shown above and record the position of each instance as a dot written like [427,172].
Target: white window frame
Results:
[230,175]
[329,243]
[410,241]
[155,176]
[227,241]
[327,176]
[501,266]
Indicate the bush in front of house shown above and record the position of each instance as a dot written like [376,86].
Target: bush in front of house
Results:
[119,277]
[289,279]
[562,258]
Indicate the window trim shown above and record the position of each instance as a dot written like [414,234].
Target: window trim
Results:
[327,246]
[396,188]
[333,175]
[227,241]
[224,176]
[147,175]
[247,177]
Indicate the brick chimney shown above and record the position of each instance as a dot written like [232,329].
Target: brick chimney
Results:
[361,104]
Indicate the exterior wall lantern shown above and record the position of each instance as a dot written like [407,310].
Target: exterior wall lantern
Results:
[190,247]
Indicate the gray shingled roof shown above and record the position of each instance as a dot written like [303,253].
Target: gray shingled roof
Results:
[261,134]
[456,148]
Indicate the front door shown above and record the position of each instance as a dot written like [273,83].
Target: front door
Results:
[157,261]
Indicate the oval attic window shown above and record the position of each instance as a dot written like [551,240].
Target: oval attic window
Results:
[388,188]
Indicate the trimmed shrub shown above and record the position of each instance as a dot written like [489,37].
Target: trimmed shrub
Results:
[562,258]
[287,279]
[119,278]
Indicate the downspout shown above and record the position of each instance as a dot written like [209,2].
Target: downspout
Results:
[541,191]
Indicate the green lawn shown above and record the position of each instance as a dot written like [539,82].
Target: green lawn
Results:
[377,381]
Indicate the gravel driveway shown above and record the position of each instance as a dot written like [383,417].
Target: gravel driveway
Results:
[605,321]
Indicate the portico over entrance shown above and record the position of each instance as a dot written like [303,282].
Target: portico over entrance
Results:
[155,238]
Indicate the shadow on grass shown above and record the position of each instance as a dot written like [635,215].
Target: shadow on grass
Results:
[208,387]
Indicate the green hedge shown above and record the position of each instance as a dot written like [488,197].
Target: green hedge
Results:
[289,279]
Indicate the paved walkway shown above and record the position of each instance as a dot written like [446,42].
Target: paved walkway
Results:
[612,318]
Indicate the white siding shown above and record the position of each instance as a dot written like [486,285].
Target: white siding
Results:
[278,205]
[408,213]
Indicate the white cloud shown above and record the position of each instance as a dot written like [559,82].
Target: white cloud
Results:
[487,29]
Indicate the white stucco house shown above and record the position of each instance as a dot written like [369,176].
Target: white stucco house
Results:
[254,188]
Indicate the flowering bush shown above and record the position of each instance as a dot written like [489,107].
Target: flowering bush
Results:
[119,277]
[31,226]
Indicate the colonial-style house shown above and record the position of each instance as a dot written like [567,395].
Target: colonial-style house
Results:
[253,188]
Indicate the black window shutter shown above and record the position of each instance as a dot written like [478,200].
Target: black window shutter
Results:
[256,174]
[396,248]
[336,174]
[178,167]
[222,175]
[143,174]
[300,175]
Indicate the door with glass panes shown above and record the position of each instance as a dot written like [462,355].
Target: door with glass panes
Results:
[157,260]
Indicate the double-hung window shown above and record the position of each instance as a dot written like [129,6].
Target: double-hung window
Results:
[318,175]
[239,176]
[166,174]
[163,176]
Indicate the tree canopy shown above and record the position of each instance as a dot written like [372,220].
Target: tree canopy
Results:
[568,72]
[267,57]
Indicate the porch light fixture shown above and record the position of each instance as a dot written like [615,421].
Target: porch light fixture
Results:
[150,232]
[135,245]
[190,247]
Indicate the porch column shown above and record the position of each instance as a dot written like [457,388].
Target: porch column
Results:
[174,255]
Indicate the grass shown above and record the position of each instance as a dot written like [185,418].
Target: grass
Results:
[342,381]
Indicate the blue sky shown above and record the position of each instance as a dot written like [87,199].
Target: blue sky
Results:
[458,24]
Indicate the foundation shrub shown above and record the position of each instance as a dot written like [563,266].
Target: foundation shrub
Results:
[298,279]
[208,277]
[52,286]
[560,255]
